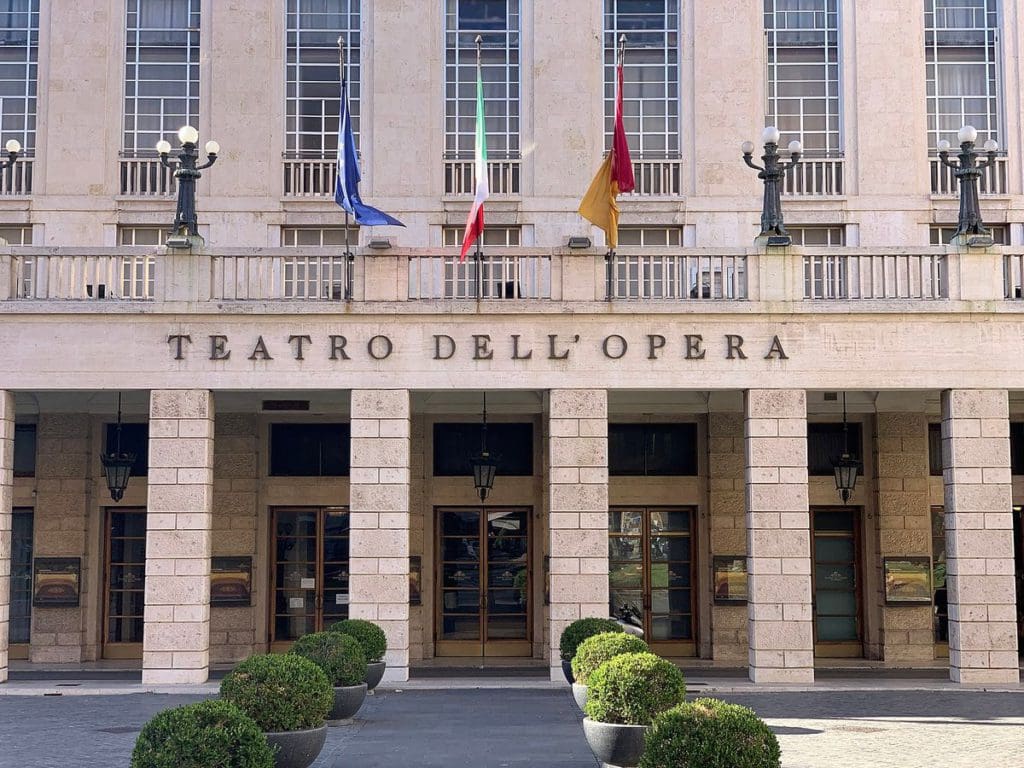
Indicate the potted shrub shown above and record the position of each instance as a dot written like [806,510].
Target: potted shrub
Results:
[204,734]
[711,734]
[595,651]
[576,633]
[341,658]
[289,698]
[374,643]
[624,696]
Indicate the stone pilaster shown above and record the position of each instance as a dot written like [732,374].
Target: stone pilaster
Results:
[904,528]
[726,486]
[578,509]
[778,537]
[176,642]
[979,536]
[379,519]
[6,506]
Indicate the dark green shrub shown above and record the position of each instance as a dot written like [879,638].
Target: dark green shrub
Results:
[597,649]
[580,630]
[708,733]
[210,733]
[281,692]
[369,635]
[632,688]
[339,656]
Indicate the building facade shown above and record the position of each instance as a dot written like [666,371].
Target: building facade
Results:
[304,401]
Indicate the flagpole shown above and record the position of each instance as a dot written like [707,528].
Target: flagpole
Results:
[478,254]
[609,269]
[342,110]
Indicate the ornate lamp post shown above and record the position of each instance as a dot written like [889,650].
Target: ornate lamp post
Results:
[967,171]
[117,465]
[13,147]
[772,174]
[484,465]
[186,171]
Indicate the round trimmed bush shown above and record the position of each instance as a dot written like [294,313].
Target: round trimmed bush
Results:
[339,656]
[201,735]
[632,688]
[597,649]
[370,636]
[710,734]
[580,630]
[281,692]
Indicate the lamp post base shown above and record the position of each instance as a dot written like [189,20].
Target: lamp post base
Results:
[185,242]
[773,241]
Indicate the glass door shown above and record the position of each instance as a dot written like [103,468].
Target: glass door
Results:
[21,583]
[125,583]
[483,583]
[1018,557]
[310,571]
[651,574]
[836,599]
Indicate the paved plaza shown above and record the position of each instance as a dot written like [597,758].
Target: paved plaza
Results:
[539,727]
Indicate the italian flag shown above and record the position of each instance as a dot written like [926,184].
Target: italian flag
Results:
[475,222]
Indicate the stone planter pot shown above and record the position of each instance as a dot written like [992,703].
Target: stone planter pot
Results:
[347,701]
[579,692]
[613,744]
[567,671]
[296,749]
[375,673]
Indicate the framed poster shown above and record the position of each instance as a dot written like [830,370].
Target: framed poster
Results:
[230,581]
[415,577]
[56,582]
[908,580]
[730,579]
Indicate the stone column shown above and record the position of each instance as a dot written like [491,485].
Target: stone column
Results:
[6,505]
[979,536]
[379,519]
[577,510]
[778,537]
[176,641]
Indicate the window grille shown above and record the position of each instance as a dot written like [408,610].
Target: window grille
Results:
[19,56]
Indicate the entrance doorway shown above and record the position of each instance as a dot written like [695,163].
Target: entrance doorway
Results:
[837,582]
[1018,559]
[21,583]
[483,582]
[651,573]
[309,577]
[125,583]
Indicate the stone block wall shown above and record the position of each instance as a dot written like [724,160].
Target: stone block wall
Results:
[979,537]
[903,530]
[727,504]
[578,509]
[235,632]
[65,466]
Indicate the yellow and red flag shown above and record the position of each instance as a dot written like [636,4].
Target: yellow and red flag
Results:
[614,177]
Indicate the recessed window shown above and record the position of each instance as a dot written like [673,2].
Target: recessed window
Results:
[651,237]
[652,449]
[935,450]
[498,237]
[1017,448]
[15,235]
[24,450]
[141,235]
[942,235]
[19,54]
[318,237]
[455,445]
[825,442]
[134,439]
[309,450]
[818,237]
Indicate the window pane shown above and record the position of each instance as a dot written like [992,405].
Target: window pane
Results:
[825,443]
[511,445]
[309,450]
[134,439]
[24,450]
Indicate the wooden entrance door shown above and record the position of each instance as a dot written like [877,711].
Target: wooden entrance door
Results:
[483,582]
[309,575]
[837,582]
[125,583]
[651,571]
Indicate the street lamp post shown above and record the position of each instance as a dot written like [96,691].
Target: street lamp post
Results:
[13,147]
[967,172]
[187,172]
[772,174]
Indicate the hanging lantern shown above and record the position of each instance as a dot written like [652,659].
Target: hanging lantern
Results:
[117,466]
[847,466]
[485,467]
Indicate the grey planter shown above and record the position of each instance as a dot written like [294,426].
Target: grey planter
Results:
[613,744]
[296,749]
[347,701]
[567,671]
[579,692]
[375,673]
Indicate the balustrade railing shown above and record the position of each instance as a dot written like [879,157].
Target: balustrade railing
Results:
[309,177]
[61,276]
[503,177]
[17,179]
[258,277]
[657,178]
[815,177]
[146,177]
[886,276]
[676,277]
[993,180]
[487,277]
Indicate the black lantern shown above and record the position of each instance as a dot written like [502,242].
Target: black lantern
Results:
[485,467]
[846,467]
[117,466]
